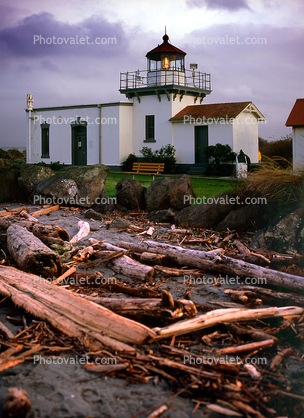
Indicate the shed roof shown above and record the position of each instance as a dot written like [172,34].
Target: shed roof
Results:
[217,110]
[296,116]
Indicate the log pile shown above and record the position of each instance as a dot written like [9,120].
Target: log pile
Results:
[149,333]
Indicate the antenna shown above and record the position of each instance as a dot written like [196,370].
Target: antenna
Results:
[165,30]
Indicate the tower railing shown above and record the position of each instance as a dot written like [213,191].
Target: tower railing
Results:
[142,79]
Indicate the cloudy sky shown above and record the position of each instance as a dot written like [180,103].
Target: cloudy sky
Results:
[252,48]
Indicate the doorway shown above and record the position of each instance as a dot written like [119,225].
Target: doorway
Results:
[79,145]
[201,142]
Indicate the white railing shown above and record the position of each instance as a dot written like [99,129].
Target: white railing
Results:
[144,78]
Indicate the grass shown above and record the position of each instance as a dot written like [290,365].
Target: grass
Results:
[201,186]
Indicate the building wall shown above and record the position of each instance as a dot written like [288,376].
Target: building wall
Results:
[113,123]
[60,135]
[246,135]
[184,139]
[298,147]
[162,110]
[125,132]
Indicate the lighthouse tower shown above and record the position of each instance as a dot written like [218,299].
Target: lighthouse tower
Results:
[160,92]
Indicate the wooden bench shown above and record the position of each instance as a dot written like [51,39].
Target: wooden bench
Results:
[153,169]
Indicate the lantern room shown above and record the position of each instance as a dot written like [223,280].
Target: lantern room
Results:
[166,57]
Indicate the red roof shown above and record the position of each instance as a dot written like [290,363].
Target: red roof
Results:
[164,48]
[296,116]
[216,110]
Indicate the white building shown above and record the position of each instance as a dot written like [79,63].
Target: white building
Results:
[296,120]
[163,107]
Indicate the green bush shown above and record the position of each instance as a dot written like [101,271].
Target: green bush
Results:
[127,165]
[216,155]
[165,155]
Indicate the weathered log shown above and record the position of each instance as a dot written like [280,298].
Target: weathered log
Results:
[31,254]
[253,334]
[277,360]
[106,257]
[45,211]
[5,331]
[131,268]
[153,259]
[30,218]
[41,231]
[270,297]
[223,315]
[155,308]
[221,263]
[66,311]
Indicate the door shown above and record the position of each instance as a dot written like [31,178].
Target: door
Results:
[79,145]
[201,142]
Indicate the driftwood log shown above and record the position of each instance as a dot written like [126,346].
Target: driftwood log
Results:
[155,308]
[212,318]
[131,268]
[31,254]
[41,231]
[69,313]
[218,262]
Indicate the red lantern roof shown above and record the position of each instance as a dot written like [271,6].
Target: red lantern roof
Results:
[165,47]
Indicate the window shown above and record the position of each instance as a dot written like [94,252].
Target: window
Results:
[45,143]
[150,136]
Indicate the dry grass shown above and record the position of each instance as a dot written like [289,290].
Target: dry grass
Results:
[275,183]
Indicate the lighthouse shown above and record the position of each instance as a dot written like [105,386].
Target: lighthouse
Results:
[160,92]
[165,76]
[163,107]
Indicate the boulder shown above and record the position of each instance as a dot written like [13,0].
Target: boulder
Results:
[130,194]
[92,214]
[120,223]
[203,215]
[166,192]
[162,216]
[75,185]
[286,235]
[245,219]
[31,175]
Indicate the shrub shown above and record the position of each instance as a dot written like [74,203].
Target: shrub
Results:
[127,165]
[216,155]
[165,155]
[281,148]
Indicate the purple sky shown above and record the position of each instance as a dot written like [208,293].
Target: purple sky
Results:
[263,64]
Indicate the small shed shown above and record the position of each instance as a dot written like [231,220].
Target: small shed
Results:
[296,121]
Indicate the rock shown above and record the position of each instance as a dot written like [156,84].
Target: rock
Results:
[130,194]
[92,214]
[16,402]
[203,215]
[286,235]
[245,219]
[31,175]
[9,188]
[120,223]
[162,216]
[75,185]
[166,192]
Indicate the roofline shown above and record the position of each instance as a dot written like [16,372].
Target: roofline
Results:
[297,125]
[260,118]
[85,106]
